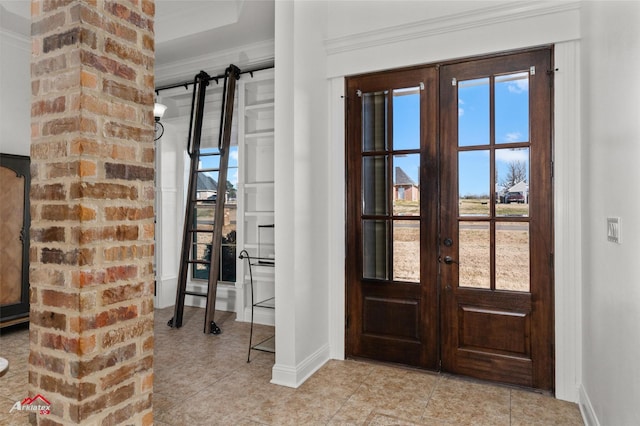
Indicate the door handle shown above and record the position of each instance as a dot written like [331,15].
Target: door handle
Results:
[448,260]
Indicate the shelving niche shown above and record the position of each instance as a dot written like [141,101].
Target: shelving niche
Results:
[256,198]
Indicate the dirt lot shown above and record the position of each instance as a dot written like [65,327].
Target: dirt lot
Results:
[511,252]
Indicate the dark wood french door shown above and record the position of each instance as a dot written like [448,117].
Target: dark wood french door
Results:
[449,218]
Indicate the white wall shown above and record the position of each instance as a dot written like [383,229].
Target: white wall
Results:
[611,151]
[301,191]
[15,84]
[383,36]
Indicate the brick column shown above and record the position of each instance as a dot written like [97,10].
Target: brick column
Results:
[92,210]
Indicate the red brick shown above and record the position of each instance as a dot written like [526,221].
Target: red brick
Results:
[127,93]
[102,191]
[48,106]
[45,275]
[117,273]
[48,66]
[122,293]
[107,65]
[47,362]
[84,367]
[121,11]
[48,319]
[61,126]
[128,332]
[59,212]
[107,318]
[125,373]
[48,150]
[128,213]
[78,256]
[47,24]
[60,299]
[77,390]
[128,172]
[55,191]
[88,79]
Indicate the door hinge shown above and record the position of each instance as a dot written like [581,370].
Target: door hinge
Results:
[422,85]
[454,82]
[359,93]
[532,70]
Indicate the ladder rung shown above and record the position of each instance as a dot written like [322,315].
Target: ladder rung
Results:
[208,154]
[201,230]
[193,293]
[199,262]
[208,170]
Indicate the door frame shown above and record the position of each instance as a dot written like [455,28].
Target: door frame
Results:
[552,213]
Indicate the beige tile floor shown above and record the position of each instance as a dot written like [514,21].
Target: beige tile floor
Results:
[205,380]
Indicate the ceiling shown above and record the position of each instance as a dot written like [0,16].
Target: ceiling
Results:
[190,28]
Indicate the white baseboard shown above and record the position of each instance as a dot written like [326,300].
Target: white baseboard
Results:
[260,316]
[226,298]
[293,377]
[586,409]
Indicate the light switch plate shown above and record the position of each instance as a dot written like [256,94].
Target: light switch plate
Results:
[613,230]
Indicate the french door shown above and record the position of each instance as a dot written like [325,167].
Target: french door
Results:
[449,218]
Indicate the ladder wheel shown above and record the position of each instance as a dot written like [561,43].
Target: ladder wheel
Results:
[170,323]
[214,328]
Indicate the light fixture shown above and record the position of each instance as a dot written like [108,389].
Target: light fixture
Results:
[158,112]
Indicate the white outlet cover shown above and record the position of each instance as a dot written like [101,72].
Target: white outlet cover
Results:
[613,230]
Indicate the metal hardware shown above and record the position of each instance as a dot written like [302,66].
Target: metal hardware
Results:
[359,93]
[449,260]
[454,81]
[422,85]
[532,70]
[448,242]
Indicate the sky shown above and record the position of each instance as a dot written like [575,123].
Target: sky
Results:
[511,125]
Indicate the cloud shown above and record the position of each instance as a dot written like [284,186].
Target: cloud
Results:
[460,112]
[509,155]
[233,155]
[519,86]
[513,137]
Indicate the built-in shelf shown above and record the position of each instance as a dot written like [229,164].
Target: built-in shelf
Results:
[256,200]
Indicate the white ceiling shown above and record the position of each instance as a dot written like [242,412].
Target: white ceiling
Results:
[191,28]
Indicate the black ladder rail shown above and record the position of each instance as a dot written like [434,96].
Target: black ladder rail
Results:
[188,254]
[193,148]
[232,74]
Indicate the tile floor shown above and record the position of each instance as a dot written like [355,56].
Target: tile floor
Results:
[205,380]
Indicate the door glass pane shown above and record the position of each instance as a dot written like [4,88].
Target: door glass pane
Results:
[473,112]
[512,107]
[473,183]
[406,118]
[512,256]
[512,175]
[406,185]
[474,254]
[374,185]
[406,250]
[375,236]
[374,121]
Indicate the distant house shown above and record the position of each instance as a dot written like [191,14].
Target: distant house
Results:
[404,188]
[207,187]
[523,188]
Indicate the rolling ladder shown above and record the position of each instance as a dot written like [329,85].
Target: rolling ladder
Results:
[192,234]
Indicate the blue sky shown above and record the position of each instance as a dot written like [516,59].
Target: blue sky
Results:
[511,125]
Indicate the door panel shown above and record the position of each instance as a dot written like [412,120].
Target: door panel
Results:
[449,218]
[392,272]
[497,286]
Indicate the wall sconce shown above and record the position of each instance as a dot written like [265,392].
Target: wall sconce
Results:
[158,112]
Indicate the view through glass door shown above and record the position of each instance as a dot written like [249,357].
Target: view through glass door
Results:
[450,238]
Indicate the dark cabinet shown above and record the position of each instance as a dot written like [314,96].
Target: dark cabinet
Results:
[14,239]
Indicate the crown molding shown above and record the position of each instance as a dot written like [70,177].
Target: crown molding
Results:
[511,11]
[249,55]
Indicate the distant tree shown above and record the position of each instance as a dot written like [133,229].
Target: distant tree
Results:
[231,190]
[516,172]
